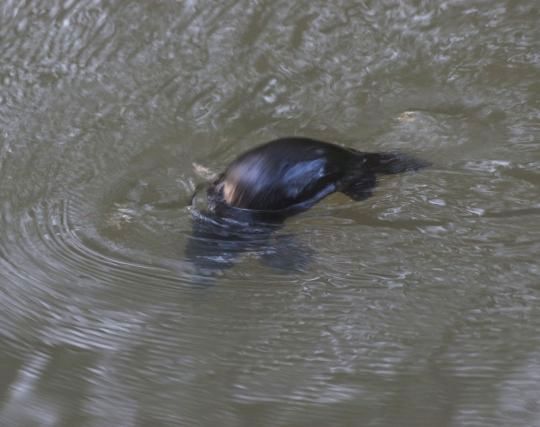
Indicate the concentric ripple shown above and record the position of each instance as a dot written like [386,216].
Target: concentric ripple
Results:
[120,304]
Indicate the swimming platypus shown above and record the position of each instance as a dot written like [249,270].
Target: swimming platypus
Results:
[289,175]
[250,200]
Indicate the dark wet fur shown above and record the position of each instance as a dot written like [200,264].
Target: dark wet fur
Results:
[289,175]
[274,181]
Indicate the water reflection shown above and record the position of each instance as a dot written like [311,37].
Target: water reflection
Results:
[217,243]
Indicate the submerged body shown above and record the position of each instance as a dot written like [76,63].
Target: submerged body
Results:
[289,175]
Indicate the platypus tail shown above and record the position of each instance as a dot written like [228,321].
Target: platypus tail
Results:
[392,162]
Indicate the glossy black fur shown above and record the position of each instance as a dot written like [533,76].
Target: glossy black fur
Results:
[289,175]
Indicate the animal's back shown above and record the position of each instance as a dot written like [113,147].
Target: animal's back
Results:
[283,173]
[295,173]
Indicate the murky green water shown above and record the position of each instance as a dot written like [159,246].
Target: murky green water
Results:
[417,307]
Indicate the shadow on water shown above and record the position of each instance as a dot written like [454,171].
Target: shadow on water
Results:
[217,244]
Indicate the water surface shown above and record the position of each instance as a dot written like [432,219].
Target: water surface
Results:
[416,307]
